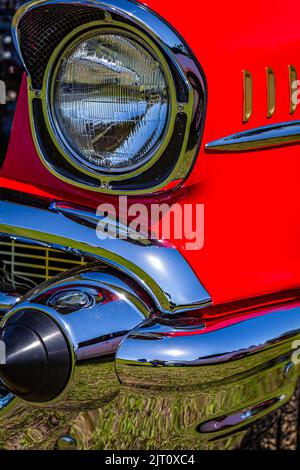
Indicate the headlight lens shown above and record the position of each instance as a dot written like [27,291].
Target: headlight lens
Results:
[110,102]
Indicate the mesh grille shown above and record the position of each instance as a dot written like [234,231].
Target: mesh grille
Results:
[29,265]
[42,29]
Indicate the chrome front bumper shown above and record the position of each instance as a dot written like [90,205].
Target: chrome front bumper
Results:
[160,269]
[213,378]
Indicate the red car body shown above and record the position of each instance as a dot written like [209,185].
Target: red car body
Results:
[251,252]
[251,199]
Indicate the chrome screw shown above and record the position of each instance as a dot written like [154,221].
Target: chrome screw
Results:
[66,443]
[289,370]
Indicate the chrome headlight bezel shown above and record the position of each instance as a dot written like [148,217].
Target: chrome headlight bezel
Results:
[47,97]
[52,23]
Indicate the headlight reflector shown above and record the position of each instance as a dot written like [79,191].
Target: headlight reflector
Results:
[110,102]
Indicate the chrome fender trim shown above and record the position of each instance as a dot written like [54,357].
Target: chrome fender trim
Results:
[161,270]
[274,135]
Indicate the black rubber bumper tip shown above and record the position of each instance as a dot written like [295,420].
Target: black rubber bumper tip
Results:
[35,359]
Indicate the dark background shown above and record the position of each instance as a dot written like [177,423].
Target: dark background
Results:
[10,72]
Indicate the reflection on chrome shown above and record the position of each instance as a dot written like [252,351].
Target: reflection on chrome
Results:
[197,385]
[153,353]
[118,347]
[7,301]
[6,400]
[90,310]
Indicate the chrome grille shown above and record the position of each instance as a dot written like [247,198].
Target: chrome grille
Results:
[31,264]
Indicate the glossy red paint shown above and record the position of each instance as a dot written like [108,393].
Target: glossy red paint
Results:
[219,316]
[252,200]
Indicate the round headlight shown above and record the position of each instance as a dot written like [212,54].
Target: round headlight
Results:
[110,102]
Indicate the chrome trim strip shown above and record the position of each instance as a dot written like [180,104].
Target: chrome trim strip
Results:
[283,133]
[161,270]
[86,215]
